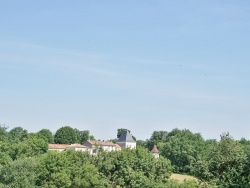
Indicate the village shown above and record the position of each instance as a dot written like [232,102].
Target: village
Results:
[94,146]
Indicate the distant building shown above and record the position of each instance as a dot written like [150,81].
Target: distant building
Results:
[57,147]
[155,152]
[94,146]
[77,147]
[126,140]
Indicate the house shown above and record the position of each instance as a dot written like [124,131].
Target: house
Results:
[94,145]
[57,147]
[77,147]
[155,152]
[126,140]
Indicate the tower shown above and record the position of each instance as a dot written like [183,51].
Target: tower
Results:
[126,140]
[155,152]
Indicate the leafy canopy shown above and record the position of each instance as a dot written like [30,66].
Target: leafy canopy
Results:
[65,135]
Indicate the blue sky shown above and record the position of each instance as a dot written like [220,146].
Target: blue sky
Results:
[141,65]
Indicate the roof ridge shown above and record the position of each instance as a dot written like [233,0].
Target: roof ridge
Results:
[126,136]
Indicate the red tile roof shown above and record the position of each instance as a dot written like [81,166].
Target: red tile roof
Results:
[154,150]
[76,146]
[117,146]
[101,143]
[57,146]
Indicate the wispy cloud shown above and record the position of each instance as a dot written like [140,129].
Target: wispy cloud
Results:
[57,58]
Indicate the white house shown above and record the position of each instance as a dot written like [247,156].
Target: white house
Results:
[92,146]
[77,147]
[101,145]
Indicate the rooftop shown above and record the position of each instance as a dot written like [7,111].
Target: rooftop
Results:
[57,146]
[76,146]
[154,150]
[101,143]
[126,137]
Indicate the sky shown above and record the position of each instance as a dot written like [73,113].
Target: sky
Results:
[142,65]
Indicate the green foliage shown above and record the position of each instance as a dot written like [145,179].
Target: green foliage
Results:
[120,131]
[20,173]
[18,133]
[223,164]
[141,143]
[26,162]
[156,137]
[65,135]
[91,137]
[4,158]
[3,133]
[181,147]
[46,133]
[31,146]
[82,136]
[68,169]
[132,167]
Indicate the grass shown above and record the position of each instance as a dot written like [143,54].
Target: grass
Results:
[181,178]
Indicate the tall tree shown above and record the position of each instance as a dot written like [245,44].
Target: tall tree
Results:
[29,147]
[19,173]
[65,135]
[120,131]
[82,136]
[133,168]
[18,133]
[3,132]
[46,133]
[182,147]
[156,137]
[224,164]
[68,169]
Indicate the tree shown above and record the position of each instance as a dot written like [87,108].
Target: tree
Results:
[91,137]
[182,147]
[19,173]
[132,168]
[46,133]
[65,135]
[82,136]
[68,169]
[3,133]
[29,147]
[18,133]
[223,165]
[121,130]
[225,135]
[156,137]
[4,158]
[141,143]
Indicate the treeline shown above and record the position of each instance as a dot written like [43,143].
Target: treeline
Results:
[224,163]
[26,162]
